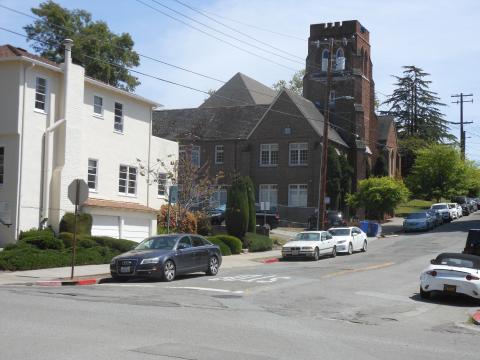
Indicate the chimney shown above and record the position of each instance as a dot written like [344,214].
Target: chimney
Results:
[68,43]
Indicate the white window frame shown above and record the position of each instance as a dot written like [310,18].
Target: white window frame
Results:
[340,64]
[298,148]
[2,165]
[217,197]
[130,170]
[162,181]
[45,95]
[102,106]
[188,151]
[294,192]
[270,149]
[115,117]
[219,153]
[95,189]
[268,193]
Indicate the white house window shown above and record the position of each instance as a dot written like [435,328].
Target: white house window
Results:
[127,182]
[162,184]
[92,174]
[219,154]
[325,60]
[268,154]
[118,121]
[340,60]
[298,154]
[2,165]
[297,195]
[98,105]
[191,152]
[40,94]
[218,198]
[268,193]
[196,155]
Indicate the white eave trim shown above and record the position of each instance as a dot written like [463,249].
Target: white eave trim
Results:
[32,61]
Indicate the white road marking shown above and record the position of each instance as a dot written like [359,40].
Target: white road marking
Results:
[205,289]
[257,278]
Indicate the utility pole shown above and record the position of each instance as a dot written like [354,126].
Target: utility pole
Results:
[461,123]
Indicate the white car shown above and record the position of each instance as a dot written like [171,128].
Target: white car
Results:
[312,244]
[349,239]
[459,210]
[453,210]
[452,273]
[444,209]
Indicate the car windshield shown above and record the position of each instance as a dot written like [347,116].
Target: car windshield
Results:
[453,261]
[417,216]
[440,206]
[308,236]
[339,232]
[158,243]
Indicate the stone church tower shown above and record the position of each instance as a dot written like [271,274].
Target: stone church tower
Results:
[352,89]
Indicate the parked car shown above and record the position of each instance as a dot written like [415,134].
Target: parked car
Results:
[453,210]
[459,210]
[271,216]
[310,244]
[462,200]
[217,215]
[473,204]
[453,274]
[418,221]
[472,246]
[349,239]
[437,216]
[444,209]
[332,218]
[166,256]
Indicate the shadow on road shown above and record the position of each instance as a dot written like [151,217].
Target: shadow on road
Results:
[109,280]
[458,300]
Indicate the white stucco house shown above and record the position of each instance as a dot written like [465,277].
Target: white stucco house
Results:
[57,125]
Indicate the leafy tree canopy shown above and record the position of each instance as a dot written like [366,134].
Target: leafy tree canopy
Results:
[295,84]
[416,108]
[90,39]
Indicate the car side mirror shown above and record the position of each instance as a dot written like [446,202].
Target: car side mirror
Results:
[181,246]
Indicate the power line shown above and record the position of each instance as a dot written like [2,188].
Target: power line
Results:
[461,96]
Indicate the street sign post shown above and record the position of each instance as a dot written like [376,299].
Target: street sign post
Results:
[77,194]
[265,206]
[172,199]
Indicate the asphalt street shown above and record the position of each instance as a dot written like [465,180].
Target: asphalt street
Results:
[363,306]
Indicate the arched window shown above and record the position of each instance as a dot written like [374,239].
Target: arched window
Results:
[340,60]
[325,60]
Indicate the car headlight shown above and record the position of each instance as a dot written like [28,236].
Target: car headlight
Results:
[150,261]
[341,241]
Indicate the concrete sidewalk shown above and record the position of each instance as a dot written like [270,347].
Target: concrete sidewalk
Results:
[103,270]
[392,226]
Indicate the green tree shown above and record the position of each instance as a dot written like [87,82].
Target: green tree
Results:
[379,196]
[380,168]
[90,39]
[252,212]
[236,214]
[438,172]
[334,177]
[472,178]
[295,84]
[408,148]
[416,108]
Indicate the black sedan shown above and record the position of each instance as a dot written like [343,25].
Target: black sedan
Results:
[165,256]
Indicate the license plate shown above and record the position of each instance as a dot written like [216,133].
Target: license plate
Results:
[125,269]
[450,288]
[294,252]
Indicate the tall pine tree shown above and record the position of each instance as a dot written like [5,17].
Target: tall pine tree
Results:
[416,108]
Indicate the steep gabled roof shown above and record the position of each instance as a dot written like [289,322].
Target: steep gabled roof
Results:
[223,123]
[240,90]
[385,123]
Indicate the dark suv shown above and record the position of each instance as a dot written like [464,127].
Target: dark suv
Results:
[472,246]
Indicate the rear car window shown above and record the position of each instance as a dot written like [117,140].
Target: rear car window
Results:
[451,261]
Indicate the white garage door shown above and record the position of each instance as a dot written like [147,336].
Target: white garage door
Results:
[103,225]
[135,229]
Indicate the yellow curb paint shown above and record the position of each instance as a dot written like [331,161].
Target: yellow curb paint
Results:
[372,267]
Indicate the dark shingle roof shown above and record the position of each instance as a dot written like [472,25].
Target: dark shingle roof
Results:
[385,122]
[221,123]
[11,51]
[241,90]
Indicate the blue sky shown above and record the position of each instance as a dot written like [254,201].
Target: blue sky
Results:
[439,36]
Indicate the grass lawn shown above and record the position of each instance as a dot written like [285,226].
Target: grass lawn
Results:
[412,206]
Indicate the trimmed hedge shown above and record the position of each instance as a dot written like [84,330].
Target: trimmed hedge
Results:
[234,243]
[258,242]
[44,242]
[84,223]
[224,249]
[35,232]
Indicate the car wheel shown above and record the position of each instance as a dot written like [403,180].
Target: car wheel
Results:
[316,255]
[350,249]
[212,266]
[119,278]
[169,271]
[424,294]
[334,252]
[364,248]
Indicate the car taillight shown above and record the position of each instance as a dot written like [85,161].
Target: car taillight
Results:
[432,273]
[471,277]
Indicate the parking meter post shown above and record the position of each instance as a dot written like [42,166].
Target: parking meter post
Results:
[74,242]
[168,210]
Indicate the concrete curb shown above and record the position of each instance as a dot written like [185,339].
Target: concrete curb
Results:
[78,282]
[476,317]
[270,260]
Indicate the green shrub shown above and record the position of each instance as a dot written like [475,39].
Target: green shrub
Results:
[252,211]
[237,213]
[84,223]
[86,243]
[35,232]
[233,243]
[204,224]
[258,242]
[224,249]
[120,245]
[67,238]
[43,242]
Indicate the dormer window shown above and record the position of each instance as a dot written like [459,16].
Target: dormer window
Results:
[340,60]
[325,60]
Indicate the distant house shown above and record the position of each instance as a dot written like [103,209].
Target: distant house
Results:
[57,125]
[388,144]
